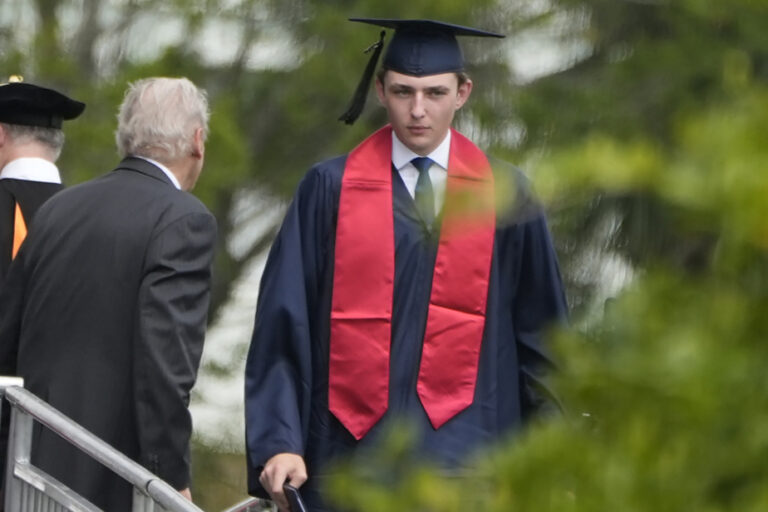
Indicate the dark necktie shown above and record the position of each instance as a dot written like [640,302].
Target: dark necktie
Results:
[424,196]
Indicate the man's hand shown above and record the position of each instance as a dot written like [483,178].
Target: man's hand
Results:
[279,469]
[186,493]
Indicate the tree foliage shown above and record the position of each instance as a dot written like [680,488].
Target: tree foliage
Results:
[643,136]
[665,396]
[278,75]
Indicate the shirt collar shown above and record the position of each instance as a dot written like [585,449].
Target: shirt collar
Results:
[402,155]
[31,169]
[163,168]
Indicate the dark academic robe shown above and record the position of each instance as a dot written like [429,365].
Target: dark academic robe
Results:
[29,195]
[104,314]
[287,368]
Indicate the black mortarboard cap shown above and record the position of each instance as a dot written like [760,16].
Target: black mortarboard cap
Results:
[32,105]
[418,48]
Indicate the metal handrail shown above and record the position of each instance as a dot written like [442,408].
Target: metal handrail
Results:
[134,473]
[6,382]
[12,389]
[249,505]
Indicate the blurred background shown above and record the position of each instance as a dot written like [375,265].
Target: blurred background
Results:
[642,124]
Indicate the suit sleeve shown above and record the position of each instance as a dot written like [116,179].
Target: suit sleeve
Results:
[173,305]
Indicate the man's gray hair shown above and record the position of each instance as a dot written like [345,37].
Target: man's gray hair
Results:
[51,138]
[158,118]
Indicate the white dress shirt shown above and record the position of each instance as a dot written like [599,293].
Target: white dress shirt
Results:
[438,172]
[163,168]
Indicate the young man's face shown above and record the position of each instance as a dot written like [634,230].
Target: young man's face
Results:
[421,108]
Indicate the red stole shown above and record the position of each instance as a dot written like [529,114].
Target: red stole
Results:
[363,284]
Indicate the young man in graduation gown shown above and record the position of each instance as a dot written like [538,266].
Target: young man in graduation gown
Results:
[404,283]
[31,140]
[108,297]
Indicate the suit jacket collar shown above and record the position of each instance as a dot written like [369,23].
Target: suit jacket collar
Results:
[132,163]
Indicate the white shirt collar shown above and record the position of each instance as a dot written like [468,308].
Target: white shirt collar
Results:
[438,173]
[402,155]
[31,169]
[163,168]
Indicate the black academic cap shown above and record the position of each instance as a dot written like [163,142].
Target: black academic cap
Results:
[418,48]
[32,105]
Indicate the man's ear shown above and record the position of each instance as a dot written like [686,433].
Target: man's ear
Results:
[380,90]
[463,93]
[198,144]
[3,136]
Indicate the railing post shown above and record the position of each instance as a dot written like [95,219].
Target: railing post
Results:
[6,382]
[12,491]
[142,502]
[19,451]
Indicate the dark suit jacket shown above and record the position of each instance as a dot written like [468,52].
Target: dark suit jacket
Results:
[104,313]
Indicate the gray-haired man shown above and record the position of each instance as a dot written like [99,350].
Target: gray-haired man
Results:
[104,309]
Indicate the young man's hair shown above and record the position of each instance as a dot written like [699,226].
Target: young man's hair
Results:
[460,75]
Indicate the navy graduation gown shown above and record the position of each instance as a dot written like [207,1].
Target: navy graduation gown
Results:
[29,195]
[286,389]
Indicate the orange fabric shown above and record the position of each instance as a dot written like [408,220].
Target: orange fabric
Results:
[19,231]
[364,269]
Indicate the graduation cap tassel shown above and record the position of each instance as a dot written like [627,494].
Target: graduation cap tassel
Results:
[361,93]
